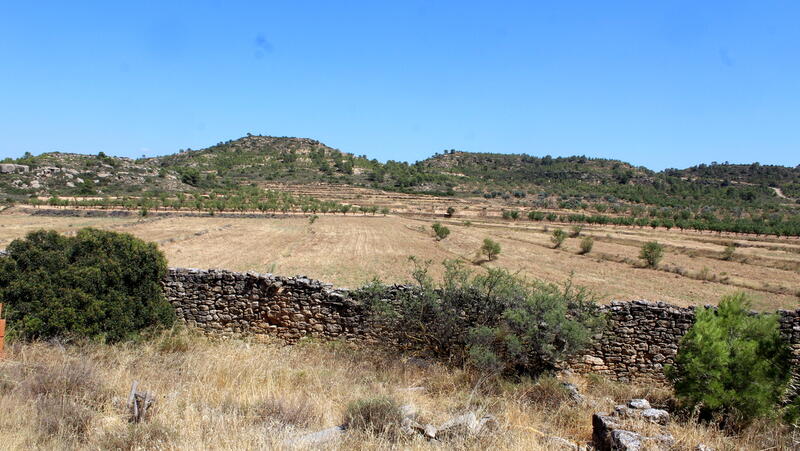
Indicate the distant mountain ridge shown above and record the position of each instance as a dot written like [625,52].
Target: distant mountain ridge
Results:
[255,158]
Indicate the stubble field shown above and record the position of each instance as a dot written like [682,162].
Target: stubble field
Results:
[351,250]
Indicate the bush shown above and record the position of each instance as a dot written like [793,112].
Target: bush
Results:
[535,215]
[379,416]
[450,212]
[586,245]
[495,321]
[651,253]
[558,238]
[575,231]
[731,363]
[97,284]
[440,231]
[490,248]
[727,254]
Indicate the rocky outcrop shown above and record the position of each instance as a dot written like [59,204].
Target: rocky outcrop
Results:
[8,168]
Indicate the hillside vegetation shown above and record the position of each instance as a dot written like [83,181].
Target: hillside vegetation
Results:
[719,197]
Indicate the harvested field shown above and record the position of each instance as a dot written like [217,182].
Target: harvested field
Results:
[351,250]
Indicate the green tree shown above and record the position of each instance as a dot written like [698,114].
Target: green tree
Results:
[558,238]
[97,284]
[450,212]
[490,248]
[651,253]
[732,362]
[440,231]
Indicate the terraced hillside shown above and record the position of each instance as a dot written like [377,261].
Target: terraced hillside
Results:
[734,198]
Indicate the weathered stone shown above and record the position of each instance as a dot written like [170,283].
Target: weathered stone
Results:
[656,416]
[622,440]
[639,404]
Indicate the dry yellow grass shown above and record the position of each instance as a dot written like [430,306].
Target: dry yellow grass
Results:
[235,394]
[351,250]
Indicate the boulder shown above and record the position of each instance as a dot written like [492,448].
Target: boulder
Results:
[639,404]
[656,416]
[622,440]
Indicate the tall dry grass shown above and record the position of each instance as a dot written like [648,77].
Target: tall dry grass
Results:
[237,394]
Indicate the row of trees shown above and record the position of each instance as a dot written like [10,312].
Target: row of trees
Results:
[264,201]
[778,225]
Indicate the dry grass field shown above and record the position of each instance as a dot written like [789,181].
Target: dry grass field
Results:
[349,251]
[238,394]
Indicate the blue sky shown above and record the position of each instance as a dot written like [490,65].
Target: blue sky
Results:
[656,83]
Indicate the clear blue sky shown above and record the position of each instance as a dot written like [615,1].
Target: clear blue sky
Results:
[656,83]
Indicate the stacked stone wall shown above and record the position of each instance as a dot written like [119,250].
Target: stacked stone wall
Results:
[248,303]
[640,338]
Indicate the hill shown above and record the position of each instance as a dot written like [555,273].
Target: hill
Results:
[574,183]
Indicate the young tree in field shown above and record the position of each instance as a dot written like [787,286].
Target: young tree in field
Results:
[586,245]
[450,212]
[440,231]
[651,253]
[558,238]
[490,248]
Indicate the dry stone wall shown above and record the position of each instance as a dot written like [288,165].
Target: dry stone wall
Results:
[640,339]
[248,303]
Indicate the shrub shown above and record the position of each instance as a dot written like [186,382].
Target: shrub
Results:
[558,238]
[490,248]
[97,284]
[450,212]
[535,215]
[731,363]
[586,245]
[727,254]
[651,253]
[440,231]
[494,321]
[547,393]
[379,416]
[575,231]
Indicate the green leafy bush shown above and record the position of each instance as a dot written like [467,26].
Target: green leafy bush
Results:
[651,253]
[731,363]
[441,231]
[558,238]
[97,284]
[495,321]
[730,249]
[490,248]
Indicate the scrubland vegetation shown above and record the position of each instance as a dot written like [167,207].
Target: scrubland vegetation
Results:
[239,394]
